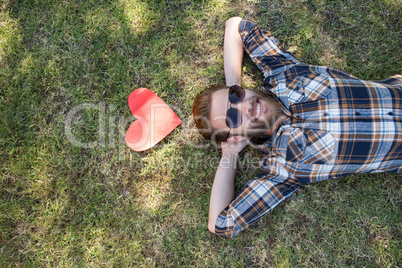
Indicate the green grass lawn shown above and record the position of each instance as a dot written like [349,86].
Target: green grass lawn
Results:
[74,195]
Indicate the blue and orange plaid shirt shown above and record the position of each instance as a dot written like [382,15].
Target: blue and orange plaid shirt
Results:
[338,125]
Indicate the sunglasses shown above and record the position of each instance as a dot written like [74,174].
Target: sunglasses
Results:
[233,116]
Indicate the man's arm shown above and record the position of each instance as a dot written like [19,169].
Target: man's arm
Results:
[233,52]
[223,187]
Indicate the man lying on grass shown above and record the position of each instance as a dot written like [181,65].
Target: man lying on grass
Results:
[313,123]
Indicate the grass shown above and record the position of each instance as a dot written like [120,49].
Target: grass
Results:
[102,205]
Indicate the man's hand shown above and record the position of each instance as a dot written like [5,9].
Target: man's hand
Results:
[234,145]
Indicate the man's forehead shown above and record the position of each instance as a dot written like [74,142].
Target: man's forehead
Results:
[221,93]
[219,106]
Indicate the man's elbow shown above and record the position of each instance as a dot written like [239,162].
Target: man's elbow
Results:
[211,227]
[233,21]
[228,234]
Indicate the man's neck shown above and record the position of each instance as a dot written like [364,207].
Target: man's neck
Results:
[276,125]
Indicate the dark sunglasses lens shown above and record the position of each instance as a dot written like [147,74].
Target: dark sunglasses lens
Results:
[236,94]
[233,118]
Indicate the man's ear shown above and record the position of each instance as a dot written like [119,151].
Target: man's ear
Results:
[234,139]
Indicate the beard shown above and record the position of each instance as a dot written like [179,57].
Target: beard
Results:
[256,128]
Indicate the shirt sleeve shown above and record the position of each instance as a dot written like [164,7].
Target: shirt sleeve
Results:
[259,196]
[264,49]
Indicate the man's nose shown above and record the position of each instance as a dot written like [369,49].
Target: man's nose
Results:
[244,107]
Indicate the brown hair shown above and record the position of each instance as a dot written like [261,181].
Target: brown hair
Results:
[201,113]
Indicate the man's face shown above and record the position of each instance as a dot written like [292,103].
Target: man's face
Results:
[259,112]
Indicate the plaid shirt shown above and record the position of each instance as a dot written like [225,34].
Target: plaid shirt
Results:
[338,125]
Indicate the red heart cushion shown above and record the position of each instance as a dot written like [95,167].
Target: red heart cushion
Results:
[155,120]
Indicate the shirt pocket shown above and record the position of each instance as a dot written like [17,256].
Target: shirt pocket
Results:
[308,88]
[310,146]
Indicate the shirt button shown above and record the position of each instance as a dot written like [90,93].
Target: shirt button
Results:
[358,114]
[326,114]
[390,113]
